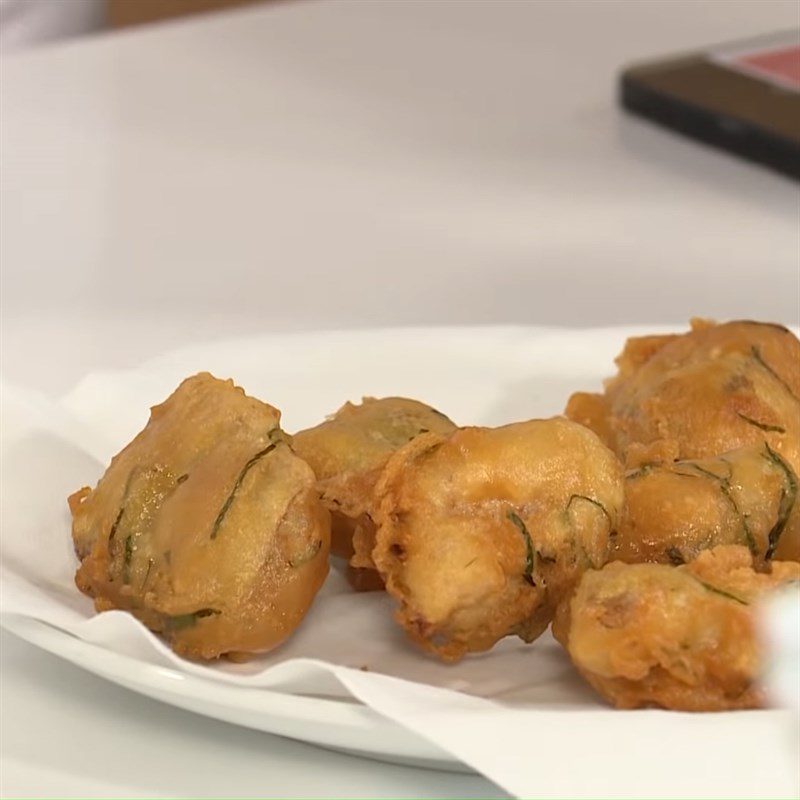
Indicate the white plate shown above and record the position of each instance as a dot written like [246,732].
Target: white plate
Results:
[337,724]
[476,375]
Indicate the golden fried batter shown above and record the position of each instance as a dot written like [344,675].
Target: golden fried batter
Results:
[709,391]
[207,527]
[347,453]
[674,510]
[480,532]
[677,637]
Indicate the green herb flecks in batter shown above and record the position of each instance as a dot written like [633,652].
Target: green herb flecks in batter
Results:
[126,568]
[575,497]
[764,426]
[724,484]
[530,553]
[756,353]
[721,592]
[183,621]
[232,496]
[787,501]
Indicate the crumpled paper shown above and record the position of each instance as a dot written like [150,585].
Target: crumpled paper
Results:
[518,714]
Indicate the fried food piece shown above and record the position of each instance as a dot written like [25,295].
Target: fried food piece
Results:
[207,527]
[591,411]
[675,510]
[715,389]
[481,532]
[695,396]
[347,453]
[681,638]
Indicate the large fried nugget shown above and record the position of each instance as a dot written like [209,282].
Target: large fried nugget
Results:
[482,531]
[715,389]
[207,527]
[680,638]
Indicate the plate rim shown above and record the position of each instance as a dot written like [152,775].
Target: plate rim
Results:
[369,733]
[365,728]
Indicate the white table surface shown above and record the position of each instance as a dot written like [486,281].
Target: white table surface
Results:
[344,164]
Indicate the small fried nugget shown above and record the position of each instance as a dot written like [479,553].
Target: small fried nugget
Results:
[714,389]
[681,638]
[675,510]
[347,453]
[481,532]
[207,527]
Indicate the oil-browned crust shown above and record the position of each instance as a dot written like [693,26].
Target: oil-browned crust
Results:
[716,389]
[681,638]
[676,509]
[207,527]
[347,453]
[480,532]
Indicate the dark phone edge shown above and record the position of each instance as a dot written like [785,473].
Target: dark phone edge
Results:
[742,138]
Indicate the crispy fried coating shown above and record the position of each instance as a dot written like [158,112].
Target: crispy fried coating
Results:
[480,532]
[696,396]
[715,389]
[675,510]
[207,527]
[347,453]
[680,638]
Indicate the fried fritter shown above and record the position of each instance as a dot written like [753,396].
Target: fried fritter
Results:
[682,638]
[674,510]
[207,527]
[481,532]
[715,389]
[347,453]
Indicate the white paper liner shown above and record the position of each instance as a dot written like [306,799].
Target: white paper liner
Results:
[519,714]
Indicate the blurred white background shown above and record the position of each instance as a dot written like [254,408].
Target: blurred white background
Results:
[24,23]
[339,164]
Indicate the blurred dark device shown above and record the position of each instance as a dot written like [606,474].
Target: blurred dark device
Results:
[743,97]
